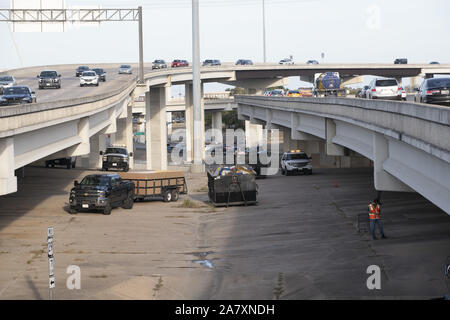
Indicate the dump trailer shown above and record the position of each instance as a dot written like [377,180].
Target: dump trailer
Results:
[328,84]
[167,185]
[232,189]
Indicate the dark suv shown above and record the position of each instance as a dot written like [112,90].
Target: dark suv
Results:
[244,62]
[101,74]
[116,157]
[80,70]
[401,61]
[434,90]
[49,79]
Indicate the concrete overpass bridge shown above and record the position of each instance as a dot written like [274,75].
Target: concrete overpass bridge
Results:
[77,126]
[408,143]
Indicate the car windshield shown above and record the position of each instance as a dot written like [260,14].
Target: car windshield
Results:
[159,61]
[98,71]
[116,150]
[48,74]
[296,156]
[95,180]
[294,91]
[438,82]
[7,78]
[386,83]
[89,74]
[83,68]
[277,91]
[16,90]
[125,66]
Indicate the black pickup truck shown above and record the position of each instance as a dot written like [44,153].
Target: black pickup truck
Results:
[101,192]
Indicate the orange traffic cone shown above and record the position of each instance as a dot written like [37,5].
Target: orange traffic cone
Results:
[335,184]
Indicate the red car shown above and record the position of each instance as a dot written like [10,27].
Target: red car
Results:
[179,63]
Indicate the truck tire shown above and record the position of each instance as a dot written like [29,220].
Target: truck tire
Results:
[126,169]
[107,209]
[167,196]
[129,201]
[72,210]
[69,165]
[175,195]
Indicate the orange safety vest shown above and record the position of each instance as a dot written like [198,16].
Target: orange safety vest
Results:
[374,211]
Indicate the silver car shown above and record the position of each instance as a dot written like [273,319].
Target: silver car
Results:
[125,69]
[6,82]
[384,88]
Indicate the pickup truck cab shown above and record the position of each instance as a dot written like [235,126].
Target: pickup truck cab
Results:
[101,192]
[49,79]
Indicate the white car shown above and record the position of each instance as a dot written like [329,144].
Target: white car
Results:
[295,161]
[6,82]
[384,88]
[286,61]
[126,69]
[89,78]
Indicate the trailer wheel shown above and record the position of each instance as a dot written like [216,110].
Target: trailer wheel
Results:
[167,197]
[175,195]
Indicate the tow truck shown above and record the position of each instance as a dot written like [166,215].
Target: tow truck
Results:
[295,161]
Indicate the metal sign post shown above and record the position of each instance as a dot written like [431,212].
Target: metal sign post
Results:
[51,261]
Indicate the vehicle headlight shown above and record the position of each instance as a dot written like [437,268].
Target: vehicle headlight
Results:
[3,99]
[125,159]
[40,80]
[105,158]
[101,194]
[25,99]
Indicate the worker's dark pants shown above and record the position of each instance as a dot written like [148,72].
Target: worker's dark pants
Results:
[373,223]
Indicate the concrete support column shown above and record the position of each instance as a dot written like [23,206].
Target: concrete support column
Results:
[124,133]
[253,134]
[189,122]
[383,180]
[84,148]
[8,182]
[216,122]
[155,130]
[169,122]
[331,148]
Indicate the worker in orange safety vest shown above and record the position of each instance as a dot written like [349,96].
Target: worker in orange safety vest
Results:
[374,217]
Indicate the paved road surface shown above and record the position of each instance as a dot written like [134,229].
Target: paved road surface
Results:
[299,242]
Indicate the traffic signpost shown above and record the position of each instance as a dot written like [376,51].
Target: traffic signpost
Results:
[51,261]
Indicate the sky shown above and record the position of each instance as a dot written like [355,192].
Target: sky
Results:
[352,31]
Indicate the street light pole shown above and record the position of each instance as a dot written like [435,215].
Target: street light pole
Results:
[264,28]
[141,48]
[196,88]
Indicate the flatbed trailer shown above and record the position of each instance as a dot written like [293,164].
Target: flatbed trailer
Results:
[167,185]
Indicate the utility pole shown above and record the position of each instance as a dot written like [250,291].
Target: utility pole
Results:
[264,29]
[141,48]
[196,88]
